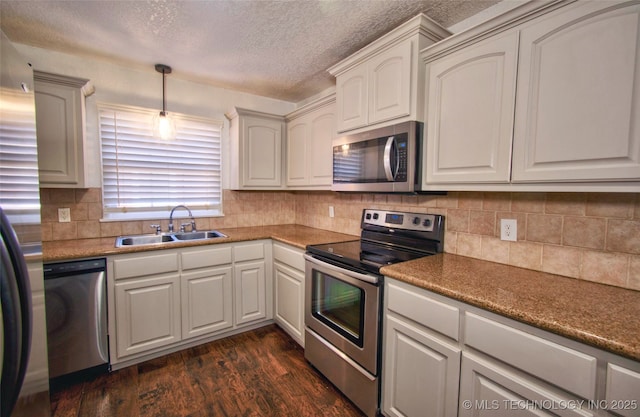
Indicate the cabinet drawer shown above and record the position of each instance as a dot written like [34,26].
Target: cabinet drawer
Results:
[416,305]
[145,265]
[289,256]
[567,368]
[248,252]
[623,388]
[206,257]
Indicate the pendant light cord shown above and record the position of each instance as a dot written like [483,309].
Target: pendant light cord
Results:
[164,69]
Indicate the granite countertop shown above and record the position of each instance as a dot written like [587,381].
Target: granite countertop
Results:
[603,316]
[295,235]
[600,315]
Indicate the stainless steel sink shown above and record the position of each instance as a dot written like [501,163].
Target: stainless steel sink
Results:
[142,240]
[137,240]
[211,234]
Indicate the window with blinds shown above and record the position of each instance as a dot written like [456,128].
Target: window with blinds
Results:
[144,176]
[19,186]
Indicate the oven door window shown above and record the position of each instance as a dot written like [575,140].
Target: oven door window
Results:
[339,305]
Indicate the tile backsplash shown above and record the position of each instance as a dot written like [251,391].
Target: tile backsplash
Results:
[591,236]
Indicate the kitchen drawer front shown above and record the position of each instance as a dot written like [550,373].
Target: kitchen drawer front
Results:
[623,391]
[145,265]
[569,369]
[203,258]
[488,389]
[416,305]
[248,252]
[289,256]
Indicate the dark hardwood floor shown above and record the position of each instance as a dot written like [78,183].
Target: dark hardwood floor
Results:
[258,373]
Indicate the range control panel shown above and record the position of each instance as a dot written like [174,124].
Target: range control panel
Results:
[399,220]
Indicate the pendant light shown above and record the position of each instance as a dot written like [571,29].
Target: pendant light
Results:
[164,126]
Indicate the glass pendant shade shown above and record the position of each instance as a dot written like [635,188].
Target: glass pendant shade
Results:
[164,127]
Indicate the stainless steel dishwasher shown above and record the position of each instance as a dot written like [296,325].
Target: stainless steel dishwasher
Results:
[76,309]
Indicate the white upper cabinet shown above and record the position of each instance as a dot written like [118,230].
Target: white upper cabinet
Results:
[380,83]
[60,124]
[310,132]
[542,98]
[256,150]
[470,118]
[352,105]
[390,84]
[578,103]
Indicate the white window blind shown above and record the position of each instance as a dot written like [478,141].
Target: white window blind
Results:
[146,175]
[19,187]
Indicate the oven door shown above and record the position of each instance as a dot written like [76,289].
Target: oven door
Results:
[343,307]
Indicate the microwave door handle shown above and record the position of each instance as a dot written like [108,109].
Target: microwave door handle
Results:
[388,169]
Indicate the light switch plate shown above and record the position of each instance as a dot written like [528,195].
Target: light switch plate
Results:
[64,215]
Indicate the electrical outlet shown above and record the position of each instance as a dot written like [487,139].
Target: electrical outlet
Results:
[332,212]
[64,215]
[509,229]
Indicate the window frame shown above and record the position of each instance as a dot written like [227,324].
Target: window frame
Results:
[160,211]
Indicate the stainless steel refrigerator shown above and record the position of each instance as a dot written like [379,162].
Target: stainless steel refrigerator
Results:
[23,347]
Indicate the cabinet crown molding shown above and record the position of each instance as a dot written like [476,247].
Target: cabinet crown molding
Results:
[238,111]
[418,25]
[311,106]
[512,18]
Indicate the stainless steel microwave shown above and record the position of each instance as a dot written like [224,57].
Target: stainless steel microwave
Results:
[380,160]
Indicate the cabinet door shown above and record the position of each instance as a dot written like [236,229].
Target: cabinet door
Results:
[420,372]
[623,390]
[579,95]
[488,389]
[147,313]
[470,113]
[289,309]
[60,127]
[322,128]
[262,152]
[297,152]
[250,292]
[390,84]
[206,301]
[352,98]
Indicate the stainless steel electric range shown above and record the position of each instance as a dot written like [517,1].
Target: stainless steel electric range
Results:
[343,298]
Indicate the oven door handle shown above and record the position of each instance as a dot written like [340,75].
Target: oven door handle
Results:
[362,277]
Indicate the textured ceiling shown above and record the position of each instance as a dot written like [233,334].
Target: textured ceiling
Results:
[278,49]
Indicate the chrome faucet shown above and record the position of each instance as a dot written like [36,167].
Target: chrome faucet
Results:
[193,221]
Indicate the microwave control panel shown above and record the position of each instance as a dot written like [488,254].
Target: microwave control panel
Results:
[402,142]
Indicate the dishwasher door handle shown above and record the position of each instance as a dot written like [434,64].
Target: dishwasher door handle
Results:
[101,315]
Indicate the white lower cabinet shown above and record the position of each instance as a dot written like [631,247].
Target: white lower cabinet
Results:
[251,282]
[623,390]
[288,277]
[250,292]
[420,370]
[160,301]
[421,363]
[147,313]
[487,388]
[442,357]
[206,301]
[206,291]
